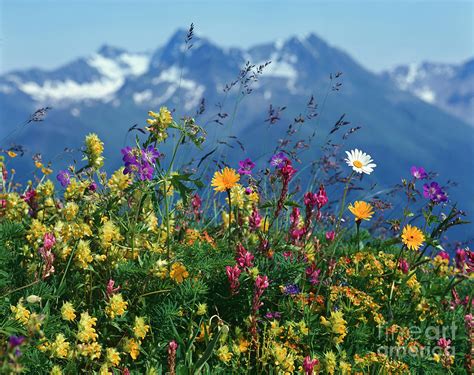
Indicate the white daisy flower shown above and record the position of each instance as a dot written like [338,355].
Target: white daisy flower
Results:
[360,161]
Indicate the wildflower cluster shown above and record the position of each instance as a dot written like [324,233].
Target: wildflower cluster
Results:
[145,270]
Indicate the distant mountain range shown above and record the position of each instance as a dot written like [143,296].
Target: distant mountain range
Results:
[447,86]
[113,89]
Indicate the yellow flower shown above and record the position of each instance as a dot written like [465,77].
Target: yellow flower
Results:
[131,347]
[86,331]
[83,255]
[116,306]
[113,356]
[92,350]
[160,269]
[361,210]
[94,150]
[67,311]
[21,313]
[159,122]
[178,272]
[225,180]
[412,237]
[224,354]
[60,347]
[330,362]
[201,309]
[337,325]
[109,234]
[11,154]
[243,345]
[56,370]
[140,328]
[118,182]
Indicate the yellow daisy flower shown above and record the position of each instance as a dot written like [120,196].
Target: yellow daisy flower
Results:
[361,210]
[225,180]
[412,237]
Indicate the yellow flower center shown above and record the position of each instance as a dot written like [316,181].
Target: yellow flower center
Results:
[358,164]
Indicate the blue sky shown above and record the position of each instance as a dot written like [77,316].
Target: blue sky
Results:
[379,34]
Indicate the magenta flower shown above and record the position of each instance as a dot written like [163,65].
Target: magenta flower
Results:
[313,274]
[48,241]
[196,203]
[233,274]
[92,187]
[110,288]
[261,283]
[246,166]
[403,266]
[444,255]
[330,235]
[64,178]
[419,173]
[254,220]
[444,343]
[243,258]
[309,364]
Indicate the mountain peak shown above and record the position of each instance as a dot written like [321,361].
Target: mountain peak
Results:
[110,51]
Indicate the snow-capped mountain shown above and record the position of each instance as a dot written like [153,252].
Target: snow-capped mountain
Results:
[112,89]
[97,77]
[448,86]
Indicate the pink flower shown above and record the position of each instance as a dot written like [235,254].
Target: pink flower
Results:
[261,282]
[313,274]
[321,197]
[48,241]
[443,255]
[469,320]
[110,288]
[255,219]
[309,364]
[330,235]
[295,216]
[444,343]
[196,203]
[233,274]
[403,266]
[243,258]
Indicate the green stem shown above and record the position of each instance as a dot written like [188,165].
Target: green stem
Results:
[343,205]
[357,234]
[230,213]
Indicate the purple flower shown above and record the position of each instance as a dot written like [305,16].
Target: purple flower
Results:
[419,173]
[140,162]
[150,154]
[291,289]
[129,155]
[145,171]
[246,166]
[64,178]
[278,160]
[15,341]
[434,192]
[92,187]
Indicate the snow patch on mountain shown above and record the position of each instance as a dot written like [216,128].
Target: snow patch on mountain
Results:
[113,73]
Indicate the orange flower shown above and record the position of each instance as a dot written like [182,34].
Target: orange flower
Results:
[225,180]
[361,210]
[412,237]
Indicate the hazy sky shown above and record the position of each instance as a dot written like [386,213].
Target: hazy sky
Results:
[379,34]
